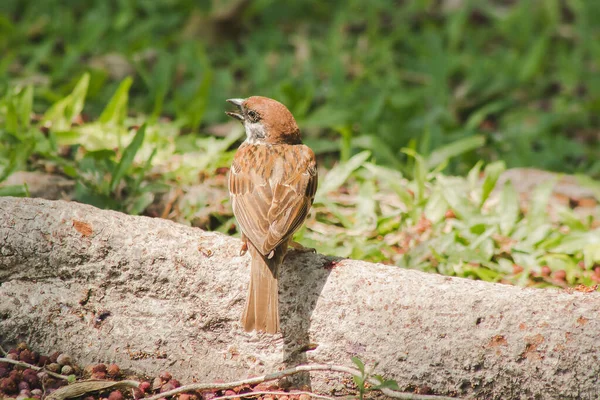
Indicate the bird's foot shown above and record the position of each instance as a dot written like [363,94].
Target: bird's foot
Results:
[244,248]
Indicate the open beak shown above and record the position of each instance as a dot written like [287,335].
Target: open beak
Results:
[238,103]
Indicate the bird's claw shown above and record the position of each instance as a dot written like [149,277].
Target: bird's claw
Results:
[243,249]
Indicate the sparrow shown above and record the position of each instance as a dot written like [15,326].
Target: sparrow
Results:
[272,185]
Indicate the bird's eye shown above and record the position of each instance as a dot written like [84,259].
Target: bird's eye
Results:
[253,115]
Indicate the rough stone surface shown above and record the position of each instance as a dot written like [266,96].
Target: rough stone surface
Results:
[153,295]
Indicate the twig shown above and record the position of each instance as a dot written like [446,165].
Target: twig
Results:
[292,371]
[4,353]
[34,367]
[253,381]
[250,394]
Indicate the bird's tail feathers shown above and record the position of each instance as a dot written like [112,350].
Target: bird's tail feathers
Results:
[262,305]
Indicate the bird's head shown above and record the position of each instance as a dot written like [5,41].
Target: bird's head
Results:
[266,121]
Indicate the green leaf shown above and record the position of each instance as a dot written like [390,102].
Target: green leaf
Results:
[67,137]
[60,115]
[483,273]
[476,118]
[339,174]
[436,207]
[492,173]
[419,172]
[473,175]
[116,109]
[14,191]
[321,145]
[70,171]
[557,262]
[571,219]
[128,157]
[78,97]
[25,106]
[199,103]
[11,117]
[454,149]
[537,233]
[359,364]
[387,384]
[540,197]
[382,152]
[17,158]
[366,217]
[591,254]
[142,173]
[533,61]
[455,197]
[577,241]
[392,178]
[162,75]
[508,210]
[486,248]
[141,203]
[86,193]
[327,116]
[345,141]
[360,384]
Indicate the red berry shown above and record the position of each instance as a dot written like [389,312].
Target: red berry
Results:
[8,386]
[15,375]
[27,356]
[113,370]
[32,379]
[116,395]
[165,376]
[99,375]
[560,275]
[145,386]
[99,368]
[54,356]
[166,387]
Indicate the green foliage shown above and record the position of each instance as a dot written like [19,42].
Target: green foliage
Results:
[18,139]
[114,163]
[363,379]
[514,81]
[14,190]
[466,227]
[360,380]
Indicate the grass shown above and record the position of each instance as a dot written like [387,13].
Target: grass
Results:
[522,77]
[458,226]
[414,109]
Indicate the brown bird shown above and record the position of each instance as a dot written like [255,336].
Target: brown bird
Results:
[272,184]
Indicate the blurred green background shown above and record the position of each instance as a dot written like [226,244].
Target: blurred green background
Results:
[521,75]
[415,109]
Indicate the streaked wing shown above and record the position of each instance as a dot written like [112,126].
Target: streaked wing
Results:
[272,189]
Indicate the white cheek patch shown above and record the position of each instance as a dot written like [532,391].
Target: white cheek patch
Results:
[255,132]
